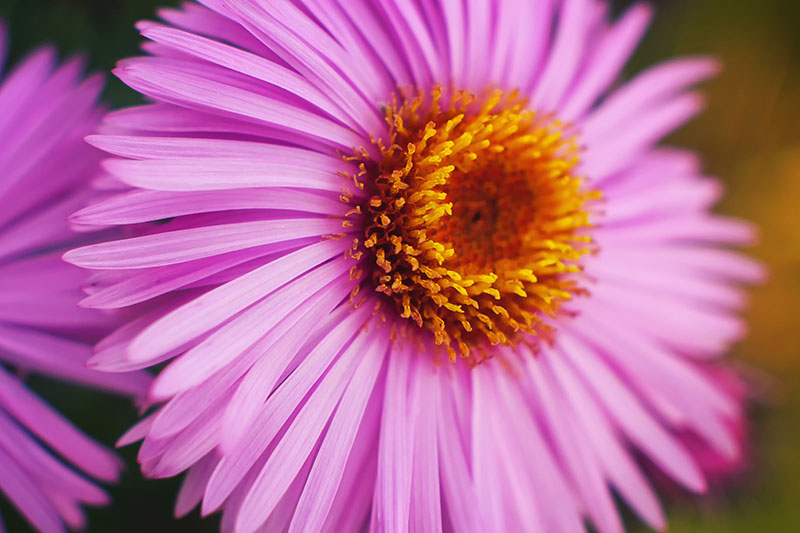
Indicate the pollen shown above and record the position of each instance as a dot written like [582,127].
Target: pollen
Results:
[475,223]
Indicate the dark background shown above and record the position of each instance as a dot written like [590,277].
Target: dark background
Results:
[750,137]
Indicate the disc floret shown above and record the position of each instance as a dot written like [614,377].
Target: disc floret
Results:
[475,220]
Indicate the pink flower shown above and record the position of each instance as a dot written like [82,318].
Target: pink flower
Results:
[415,268]
[45,167]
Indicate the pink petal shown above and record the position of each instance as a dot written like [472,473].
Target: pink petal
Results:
[557,509]
[283,343]
[194,174]
[579,460]
[229,341]
[211,309]
[307,55]
[300,439]
[153,78]
[392,498]
[153,282]
[280,406]
[325,478]
[426,508]
[56,431]
[45,468]
[456,482]
[246,63]
[568,50]
[610,54]
[646,92]
[644,130]
[478,43]
[179,246]
[56,356]
[23,492]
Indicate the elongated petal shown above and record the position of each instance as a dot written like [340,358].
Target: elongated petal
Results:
[196,243]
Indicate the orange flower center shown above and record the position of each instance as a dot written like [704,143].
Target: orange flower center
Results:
[475,219]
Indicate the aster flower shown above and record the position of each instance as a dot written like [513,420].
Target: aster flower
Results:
[45,169]
[415,269]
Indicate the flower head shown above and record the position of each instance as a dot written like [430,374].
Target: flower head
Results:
[473,219]
[45,169]
[414,267]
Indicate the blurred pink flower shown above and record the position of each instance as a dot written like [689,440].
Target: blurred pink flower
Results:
[45,167]
[336,219]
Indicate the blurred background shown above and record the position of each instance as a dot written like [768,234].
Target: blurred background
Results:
[750,138]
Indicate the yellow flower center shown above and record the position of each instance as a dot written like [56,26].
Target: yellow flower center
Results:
[475,219]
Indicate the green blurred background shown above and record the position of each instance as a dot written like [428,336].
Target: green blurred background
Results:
[750,137]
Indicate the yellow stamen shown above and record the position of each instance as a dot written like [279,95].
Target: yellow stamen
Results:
[475,218]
